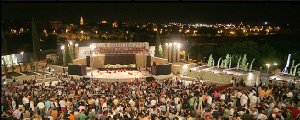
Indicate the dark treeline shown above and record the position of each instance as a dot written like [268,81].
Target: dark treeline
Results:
[267,49]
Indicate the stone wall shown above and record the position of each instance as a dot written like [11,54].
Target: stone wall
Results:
[160,61]
[80,61]
[250,78]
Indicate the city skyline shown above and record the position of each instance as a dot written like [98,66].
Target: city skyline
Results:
[274,13]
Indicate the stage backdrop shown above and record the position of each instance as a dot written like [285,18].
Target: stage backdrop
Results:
[122,59]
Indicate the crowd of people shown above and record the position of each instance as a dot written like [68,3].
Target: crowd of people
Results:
[77,99]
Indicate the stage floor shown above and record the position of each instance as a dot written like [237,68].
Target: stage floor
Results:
[116,75]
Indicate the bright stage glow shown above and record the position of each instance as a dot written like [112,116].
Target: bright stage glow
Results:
[250,76]
[92,47]
[62,47]
[178,45]
[115,75]
[185,67]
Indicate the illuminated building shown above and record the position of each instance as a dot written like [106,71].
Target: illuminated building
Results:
[81,21]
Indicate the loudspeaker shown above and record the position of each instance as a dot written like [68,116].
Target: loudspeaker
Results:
[148,64]
[77,69]
[161,69]
[88,61]
[83,70]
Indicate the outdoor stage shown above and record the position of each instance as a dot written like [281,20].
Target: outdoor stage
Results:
[116,75]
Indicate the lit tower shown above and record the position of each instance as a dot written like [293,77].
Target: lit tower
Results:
[81,21]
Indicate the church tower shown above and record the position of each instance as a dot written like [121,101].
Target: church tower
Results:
[81,21]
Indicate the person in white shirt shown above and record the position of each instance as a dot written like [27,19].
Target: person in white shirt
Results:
[41,107]
[289,94]
[26,102]
[97,104]
[209,100]
[132,103]
[153,102]
[176,100]
[244,100]
[262,116]
[62,105]
[222,97]
[231,111]
[13,104]
[253,100]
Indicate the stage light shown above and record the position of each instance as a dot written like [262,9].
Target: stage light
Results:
[92,46]
[178,45]
[62,47]
[76,45]
[185,67]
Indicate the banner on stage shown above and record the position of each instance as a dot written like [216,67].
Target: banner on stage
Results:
[115,48]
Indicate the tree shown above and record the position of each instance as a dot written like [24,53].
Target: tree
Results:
[3,42]
[32,67]
[244,63]
[68,58]
[35,43]
[25,64]
[158,48]
[210,61]
[222,64]
[4,66]
[51,41]
[226,61]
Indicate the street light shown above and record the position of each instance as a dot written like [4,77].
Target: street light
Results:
[75,50]
[22,56]
[268,65]
[62,49]
[178,45]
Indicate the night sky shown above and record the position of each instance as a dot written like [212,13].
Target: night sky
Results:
[277,13]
